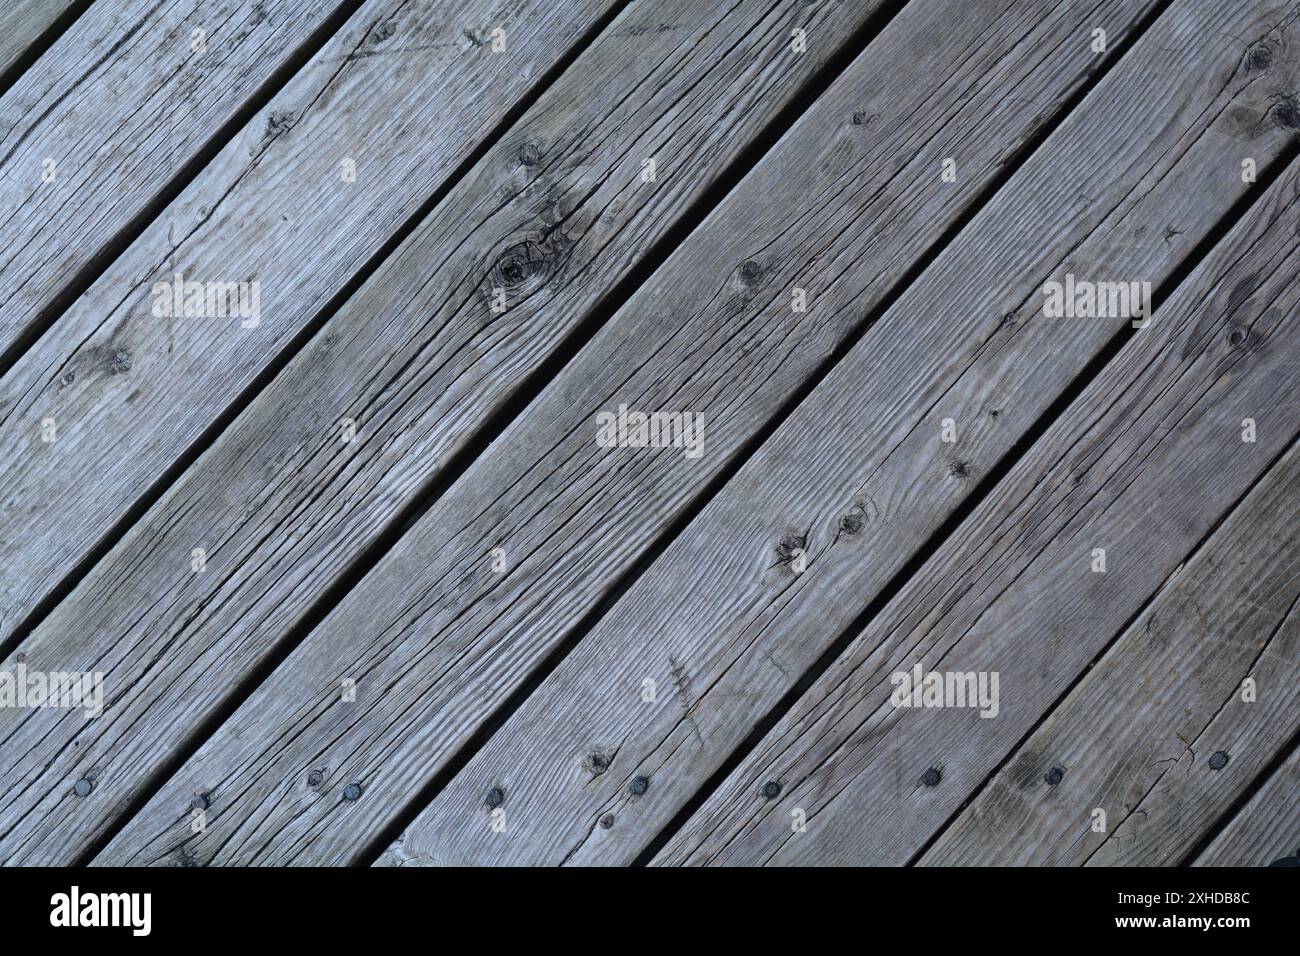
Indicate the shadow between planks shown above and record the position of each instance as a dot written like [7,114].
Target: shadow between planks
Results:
[260,804]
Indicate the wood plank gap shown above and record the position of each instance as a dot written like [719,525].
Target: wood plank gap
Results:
[941,534]
[1102,652]
[97,264]
[11,74]
[273,368]
[1285,754]
[531,386]
[625,581]
[807,91]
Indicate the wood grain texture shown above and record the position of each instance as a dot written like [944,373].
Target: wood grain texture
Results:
[129,392]
[1135,737]
[858,474]
[1267,828]
[92,107]
[435,639]
[281,504]
[25,22]
[1141,465]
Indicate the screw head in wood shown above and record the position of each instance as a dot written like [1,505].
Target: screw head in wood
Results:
[1218,760]
[772,789]
[352,791]
[1054,776]
[931,777]
[83,787]
[639,785]
[495,797]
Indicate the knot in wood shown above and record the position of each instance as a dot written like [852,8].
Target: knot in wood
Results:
[529,154]
[1259,58]
[522,265]
[788,545]
[1286,113]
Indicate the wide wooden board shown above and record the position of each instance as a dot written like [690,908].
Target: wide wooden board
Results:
[115,113]
[95,414]
[1141,466]
[556,215]
[859,477]
[1210,667]
[843,207]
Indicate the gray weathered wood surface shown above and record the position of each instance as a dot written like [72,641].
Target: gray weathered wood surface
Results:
[721,623]
[119,105]
[364,567]
[1013,589]
[1267,828]
[128,392]
[23,23]
[840,207]
[564,184]
[1135,738]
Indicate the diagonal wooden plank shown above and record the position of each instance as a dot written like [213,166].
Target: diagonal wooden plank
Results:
[111,115]
[686,81]
[1137,737]
[846,202]
[114,394]
[24,25]
[858,477]
[1267,829]
[1014,589]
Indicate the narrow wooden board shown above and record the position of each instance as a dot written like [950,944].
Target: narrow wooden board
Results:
[128,392]
[1267,829]
[686,81]
[859,475]
[434,638]
[1140,465]
[112,114]
[1135,738]
[23,23]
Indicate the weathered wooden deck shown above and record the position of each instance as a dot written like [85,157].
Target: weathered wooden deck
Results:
[364,582]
